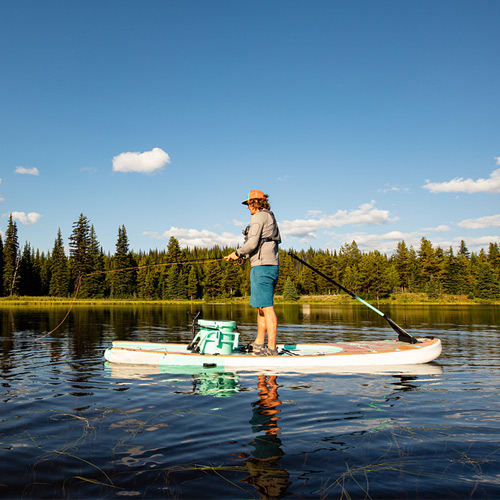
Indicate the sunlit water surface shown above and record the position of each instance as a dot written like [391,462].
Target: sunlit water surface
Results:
[74,427]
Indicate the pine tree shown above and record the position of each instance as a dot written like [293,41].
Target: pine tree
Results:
[192,284]
[392,279]
[173,285]
[403,264]
[348,264]
[414,268]
[428,264]
[29,279]
[456,274]
[147,278]
[286,269]
[1,266]
[351,278]
[349,256]
[42,268]
[231,278]
[213,280]
[374,277]
[325,263]
[94,286]
[245,281]
[433,289]
[463,250]
[290,292]
[448,276]
[123,283]
[39,269]
[307,280]
[487,286]
[79,249]
[463,275]
[60,274]
[173,250]
[11,258]
[493,258]
[182,284]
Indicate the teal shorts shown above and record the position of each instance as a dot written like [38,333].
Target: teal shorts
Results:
[263,281]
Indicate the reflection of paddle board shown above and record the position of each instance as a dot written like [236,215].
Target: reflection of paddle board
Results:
[291,357]
[144,372]
[207,381]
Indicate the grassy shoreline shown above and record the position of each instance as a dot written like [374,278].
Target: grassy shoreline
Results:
[400,299]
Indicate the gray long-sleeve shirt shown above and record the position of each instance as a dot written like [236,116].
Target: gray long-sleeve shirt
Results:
[262,226]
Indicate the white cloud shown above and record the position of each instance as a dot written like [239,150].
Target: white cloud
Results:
[90,170]
[461,185]
[26,171]
[26,219]
[195,238]
[2,198]
[481,222]
[475,244]
[307,228]
[387,243]
[396,189]
[146,163]
[437,229]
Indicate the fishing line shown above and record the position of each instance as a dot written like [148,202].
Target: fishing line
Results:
[95,273]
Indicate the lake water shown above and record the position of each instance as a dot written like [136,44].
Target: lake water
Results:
[73,427]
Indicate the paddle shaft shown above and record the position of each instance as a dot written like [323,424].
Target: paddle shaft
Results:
[403,334]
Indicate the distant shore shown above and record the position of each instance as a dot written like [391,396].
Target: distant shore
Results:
[399,299]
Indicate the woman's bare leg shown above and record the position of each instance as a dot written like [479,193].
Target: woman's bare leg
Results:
[267,322]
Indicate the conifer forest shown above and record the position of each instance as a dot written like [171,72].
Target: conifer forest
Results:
[201,273]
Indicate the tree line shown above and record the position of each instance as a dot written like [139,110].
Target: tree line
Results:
[200,273]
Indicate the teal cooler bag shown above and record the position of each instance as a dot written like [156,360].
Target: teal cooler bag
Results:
[217,337]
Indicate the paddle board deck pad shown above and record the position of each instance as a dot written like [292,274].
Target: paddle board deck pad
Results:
[291,357]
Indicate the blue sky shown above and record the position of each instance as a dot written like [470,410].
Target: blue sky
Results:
[373,121]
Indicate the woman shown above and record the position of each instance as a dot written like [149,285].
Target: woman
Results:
[262,238]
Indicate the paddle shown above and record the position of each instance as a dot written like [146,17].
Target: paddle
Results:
[403,335]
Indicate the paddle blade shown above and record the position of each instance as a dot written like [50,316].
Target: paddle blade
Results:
[403,335]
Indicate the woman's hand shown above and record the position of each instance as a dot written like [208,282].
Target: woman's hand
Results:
[231,257]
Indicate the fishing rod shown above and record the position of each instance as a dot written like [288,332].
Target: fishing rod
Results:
[240,262]
[403,335]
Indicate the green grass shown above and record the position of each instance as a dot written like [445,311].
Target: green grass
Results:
[396,299]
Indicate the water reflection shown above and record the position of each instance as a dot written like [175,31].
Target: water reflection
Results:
[204,381]
[157,322]
[269,479]
[343,425]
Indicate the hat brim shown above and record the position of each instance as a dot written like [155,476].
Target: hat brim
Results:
[254,195]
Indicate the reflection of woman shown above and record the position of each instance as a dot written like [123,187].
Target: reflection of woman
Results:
[270,481]
[262,238]
[265,417]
